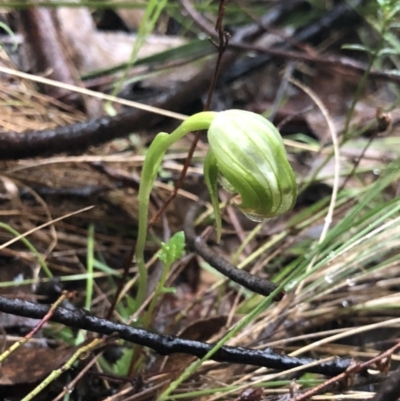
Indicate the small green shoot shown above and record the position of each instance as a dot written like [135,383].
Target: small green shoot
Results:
[170,252]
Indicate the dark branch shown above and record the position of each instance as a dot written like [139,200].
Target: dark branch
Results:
[169,344]
[254,283]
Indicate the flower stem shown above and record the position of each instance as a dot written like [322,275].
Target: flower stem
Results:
[153,160]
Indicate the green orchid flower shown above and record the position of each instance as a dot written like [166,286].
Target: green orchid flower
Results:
[246,155]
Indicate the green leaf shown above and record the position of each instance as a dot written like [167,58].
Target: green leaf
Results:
[168,290]
[388,52]
[173,249]
[357,48]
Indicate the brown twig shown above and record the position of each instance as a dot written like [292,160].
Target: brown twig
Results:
[350,371]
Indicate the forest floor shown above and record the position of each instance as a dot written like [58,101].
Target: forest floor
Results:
[83,95]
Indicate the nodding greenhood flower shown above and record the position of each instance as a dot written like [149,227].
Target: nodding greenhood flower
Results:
[246,153]
[248,157]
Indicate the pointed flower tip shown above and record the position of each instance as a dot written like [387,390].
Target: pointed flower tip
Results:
[251,160]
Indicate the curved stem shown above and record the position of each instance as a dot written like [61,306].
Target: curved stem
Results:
[151,165]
